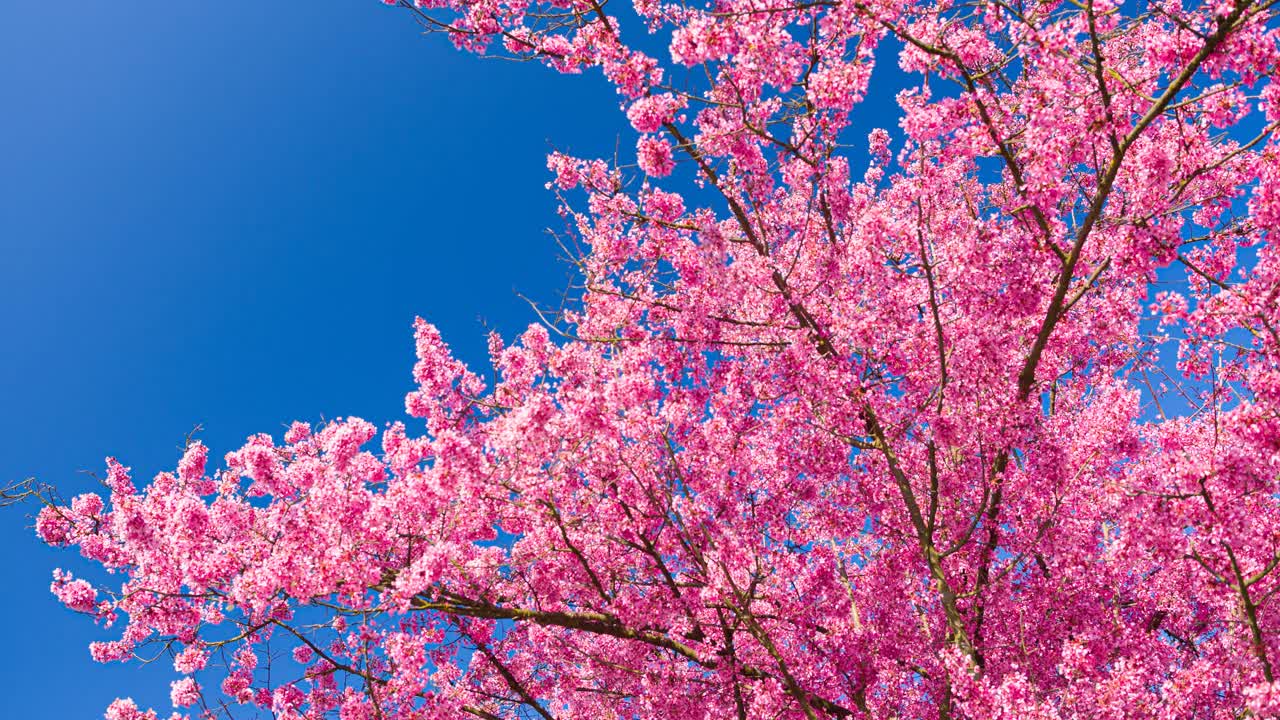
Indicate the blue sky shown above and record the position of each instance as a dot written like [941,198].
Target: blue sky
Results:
[229,214]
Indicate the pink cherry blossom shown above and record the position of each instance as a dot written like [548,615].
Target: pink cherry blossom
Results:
[654,156]
[184,692]
[984,423]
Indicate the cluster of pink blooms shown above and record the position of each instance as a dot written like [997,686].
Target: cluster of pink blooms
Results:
[991,432]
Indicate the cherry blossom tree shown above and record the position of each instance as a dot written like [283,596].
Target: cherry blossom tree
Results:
[982,421]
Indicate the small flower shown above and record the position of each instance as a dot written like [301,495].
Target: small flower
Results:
[184,692]
[654,156]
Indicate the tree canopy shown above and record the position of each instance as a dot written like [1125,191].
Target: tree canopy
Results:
[977,418]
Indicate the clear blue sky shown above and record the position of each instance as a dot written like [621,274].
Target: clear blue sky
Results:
[229,214]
